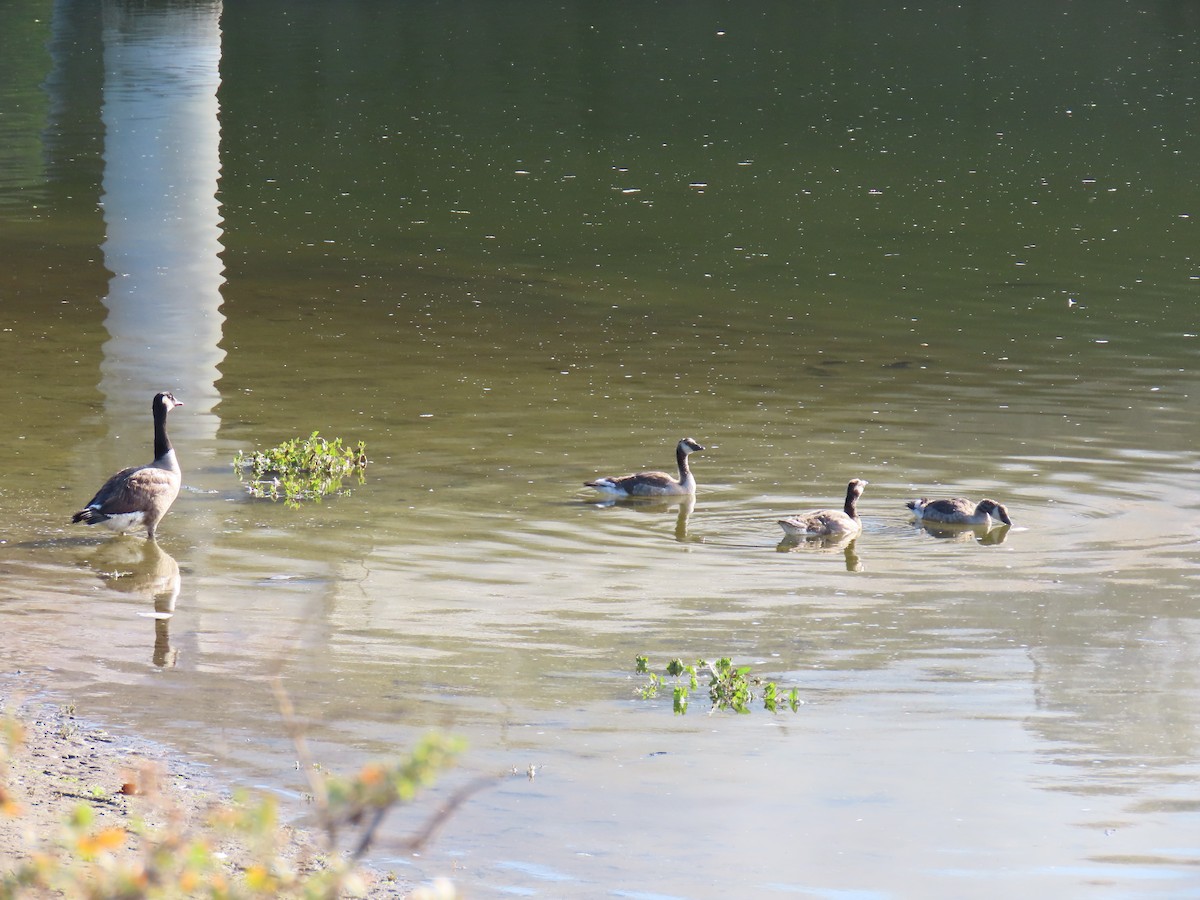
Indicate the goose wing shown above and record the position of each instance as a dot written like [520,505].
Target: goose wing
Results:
[638,483]
[957,506]
[132,489]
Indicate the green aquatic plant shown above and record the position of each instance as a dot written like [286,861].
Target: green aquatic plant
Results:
[729,687]
[682,687]
[300,469]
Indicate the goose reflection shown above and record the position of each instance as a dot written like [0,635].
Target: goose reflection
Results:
[980,534]
[143,569]
[657,506]
[825,543]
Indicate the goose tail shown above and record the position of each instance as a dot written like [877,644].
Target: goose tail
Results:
[89,515]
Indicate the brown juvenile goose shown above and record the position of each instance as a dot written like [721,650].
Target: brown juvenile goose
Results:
[140,495]
[828,521]
[959,511]
[653,484]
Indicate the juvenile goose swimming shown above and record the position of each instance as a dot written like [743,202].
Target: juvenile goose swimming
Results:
[140,495]
[829,521]
[959,511]
[653,484]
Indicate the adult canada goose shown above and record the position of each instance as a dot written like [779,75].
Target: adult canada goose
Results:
[828,521]
[140,495]
[959,511]
[653,484]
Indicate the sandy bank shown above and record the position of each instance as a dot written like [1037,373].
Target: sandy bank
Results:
[65,761]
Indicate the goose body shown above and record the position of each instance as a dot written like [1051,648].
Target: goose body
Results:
[959,511]
[653,484]
[826,522]
[139,496]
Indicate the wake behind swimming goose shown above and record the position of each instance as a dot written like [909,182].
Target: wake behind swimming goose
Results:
[653,484]
[959,511]
[824,522]
[140,496]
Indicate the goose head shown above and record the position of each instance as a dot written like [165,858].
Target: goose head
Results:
[994,509]
[165,401]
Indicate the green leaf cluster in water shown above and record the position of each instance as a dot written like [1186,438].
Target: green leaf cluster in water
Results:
[729,687]
[300,469]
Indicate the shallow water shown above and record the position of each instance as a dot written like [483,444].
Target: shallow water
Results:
[947,251]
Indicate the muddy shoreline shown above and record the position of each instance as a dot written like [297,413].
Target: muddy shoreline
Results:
[65,761]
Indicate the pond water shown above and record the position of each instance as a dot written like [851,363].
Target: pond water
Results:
[951,250]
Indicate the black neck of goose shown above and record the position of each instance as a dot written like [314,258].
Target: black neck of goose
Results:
[851,504]
[162,443]
[681,458]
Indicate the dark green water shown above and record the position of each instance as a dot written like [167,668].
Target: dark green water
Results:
[512,247]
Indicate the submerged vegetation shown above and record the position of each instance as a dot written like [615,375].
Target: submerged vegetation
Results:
[729,687]
[300,469]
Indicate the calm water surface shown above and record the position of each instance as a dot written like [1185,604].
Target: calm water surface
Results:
[951,251]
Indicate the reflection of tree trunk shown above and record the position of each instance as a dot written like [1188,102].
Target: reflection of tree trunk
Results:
[162,218]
